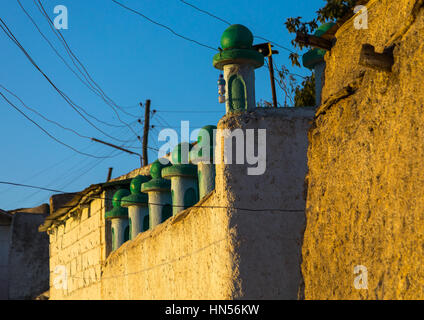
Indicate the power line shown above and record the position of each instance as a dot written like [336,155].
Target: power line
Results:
[87,84]
[93,165]
[206,12]
[225,21]
[187,111]
[276,44]
[42,116]
[54,122]
[50,167]
[74,58]
[74,106]
[70,172]
[164,26]
[46,132]
[150,203]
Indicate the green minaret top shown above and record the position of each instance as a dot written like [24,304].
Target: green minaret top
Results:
[316,56]
[236,42]
[118,211]
[156,169]
[136,197]
[157,183]
[206,135]
[206,131]
[180,154]
[180,158]
[237,36]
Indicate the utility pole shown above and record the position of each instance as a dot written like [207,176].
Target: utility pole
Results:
[266,50]
[271,74]
[109,174]
[146,131]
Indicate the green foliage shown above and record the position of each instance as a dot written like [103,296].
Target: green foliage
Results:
[331,12]
[301,95]
[305,93]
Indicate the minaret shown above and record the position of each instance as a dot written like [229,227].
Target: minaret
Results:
[119,218]
[202,155]
[159,191]
[314,60]
[238,60]
[183,176]
[136,203]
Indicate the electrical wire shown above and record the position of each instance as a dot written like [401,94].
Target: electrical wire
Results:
[75,169]
[164,26]
[228,23]
[206,12]
[56,164]
[87,82]
[42,116]
[46,132]
[150,203]
[187,111]
[74,58]
[10,35]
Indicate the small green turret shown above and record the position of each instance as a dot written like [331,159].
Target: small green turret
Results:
[119,219]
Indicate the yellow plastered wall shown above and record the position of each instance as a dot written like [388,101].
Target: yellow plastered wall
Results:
[186,257]
[366,176]
[78,245]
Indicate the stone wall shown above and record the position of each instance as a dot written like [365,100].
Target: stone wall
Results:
[4,259]
[28,257]
[366,155]
[78,243]
[268,239]
[219,250]
[186,257]
[214,250]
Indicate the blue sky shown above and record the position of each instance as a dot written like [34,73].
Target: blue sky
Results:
[132,60]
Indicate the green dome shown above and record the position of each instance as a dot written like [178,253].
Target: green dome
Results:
[177,156]
[237,37]
[117,213]
[207,130]
[157,185]
[180,170]
[139,199]
[116,200]
[156,169]
[315,56]
[322,29]
[136,182]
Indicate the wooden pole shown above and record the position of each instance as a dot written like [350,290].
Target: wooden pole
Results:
[313,41]
[109,174]
[271,73]
[146,131]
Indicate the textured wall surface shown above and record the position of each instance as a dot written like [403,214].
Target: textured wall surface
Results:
[215,251]
[4,260]
[231,253]
[79,245]
[28,257]
[186,257]
[366,177]
[268,241]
